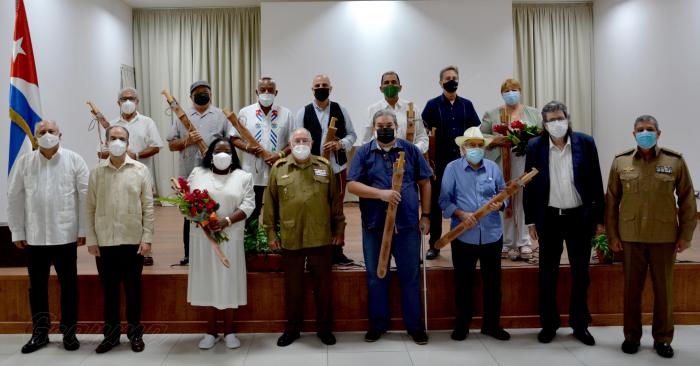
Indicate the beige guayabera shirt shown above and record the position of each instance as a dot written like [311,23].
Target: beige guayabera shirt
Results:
[119,205]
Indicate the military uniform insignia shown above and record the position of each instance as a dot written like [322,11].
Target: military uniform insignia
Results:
[320,172]
[664,169]
[628,169]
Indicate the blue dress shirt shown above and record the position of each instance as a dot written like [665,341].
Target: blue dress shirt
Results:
[468,189]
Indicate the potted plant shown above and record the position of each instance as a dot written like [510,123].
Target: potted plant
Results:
[602,249]
[259,257]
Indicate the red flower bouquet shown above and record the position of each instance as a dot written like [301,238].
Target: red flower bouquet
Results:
[518,133]
[198,207]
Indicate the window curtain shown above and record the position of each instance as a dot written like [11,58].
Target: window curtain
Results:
[175,47]
[554,57]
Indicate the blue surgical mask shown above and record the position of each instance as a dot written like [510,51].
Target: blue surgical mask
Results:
[475,155]
[511,97]
[646,139]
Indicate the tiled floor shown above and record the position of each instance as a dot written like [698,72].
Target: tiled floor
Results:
[392,349]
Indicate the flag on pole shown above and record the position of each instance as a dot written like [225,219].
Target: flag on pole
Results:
[25,105]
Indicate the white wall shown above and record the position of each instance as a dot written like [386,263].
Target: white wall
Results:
[647,62]
[355,42]
[79,46]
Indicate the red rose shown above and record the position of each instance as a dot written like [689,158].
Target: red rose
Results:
[183,184]
[210,205]
[517,125]
[500,128]
[193,211]
[189,197]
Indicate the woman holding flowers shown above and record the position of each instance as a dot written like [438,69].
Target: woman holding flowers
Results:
[223,192]
[512,125]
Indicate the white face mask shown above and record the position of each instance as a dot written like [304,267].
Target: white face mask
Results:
[128,107]
[222,160]
[48,140]
[266,99]
[301,152]
[557,128]
[117,148]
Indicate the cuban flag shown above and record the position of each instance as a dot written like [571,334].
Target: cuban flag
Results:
[25,105]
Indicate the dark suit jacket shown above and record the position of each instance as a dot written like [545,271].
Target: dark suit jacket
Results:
[587,179]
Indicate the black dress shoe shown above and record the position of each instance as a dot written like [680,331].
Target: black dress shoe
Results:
[663,349]
[326,338]
[148,261]
[342,259]
[70,342]
[432,254]
[546,335]
[35,343]
[373,335]
[460,333]
[498,333]
[584,336]
[106,345]
[137,344]
[287,338]
[420,337]
[630,347]
[185,261]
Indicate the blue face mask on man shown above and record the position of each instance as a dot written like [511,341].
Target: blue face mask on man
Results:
[475,155]
[646,139]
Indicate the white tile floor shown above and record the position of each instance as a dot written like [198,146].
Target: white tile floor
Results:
[392,349]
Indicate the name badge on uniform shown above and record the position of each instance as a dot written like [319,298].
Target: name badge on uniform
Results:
[664,169]
[320,172]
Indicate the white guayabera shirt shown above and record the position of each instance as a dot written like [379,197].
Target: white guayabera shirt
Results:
[46,198]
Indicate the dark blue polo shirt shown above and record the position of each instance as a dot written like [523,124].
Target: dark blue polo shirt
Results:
[374,167]
[451,120]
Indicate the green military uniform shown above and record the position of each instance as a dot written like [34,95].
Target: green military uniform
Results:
[641,211]
[304,201]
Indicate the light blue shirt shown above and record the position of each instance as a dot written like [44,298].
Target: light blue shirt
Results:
[468,190]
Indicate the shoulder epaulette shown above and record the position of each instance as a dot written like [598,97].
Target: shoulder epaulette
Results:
[626,152]
[279,162]
[671,152]
[323,160]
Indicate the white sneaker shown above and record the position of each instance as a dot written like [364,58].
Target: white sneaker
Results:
[513,254]
[526,252]
[231,341]
[208,341]
[504,253]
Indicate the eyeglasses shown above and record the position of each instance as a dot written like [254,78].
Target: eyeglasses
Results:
[124,99]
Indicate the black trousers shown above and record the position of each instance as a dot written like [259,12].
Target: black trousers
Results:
[186,237]
[39,261]
[435,211]
[255,215]
[121,265]
[571,228]
[464,257]
[319,265]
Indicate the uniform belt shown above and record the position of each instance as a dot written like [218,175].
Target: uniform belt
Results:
[564,211]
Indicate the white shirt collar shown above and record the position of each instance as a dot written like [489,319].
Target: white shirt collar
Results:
[552,146]
[136,117]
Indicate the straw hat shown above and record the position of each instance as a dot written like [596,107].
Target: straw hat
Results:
[472,133]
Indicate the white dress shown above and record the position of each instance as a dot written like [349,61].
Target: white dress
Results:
[210,283]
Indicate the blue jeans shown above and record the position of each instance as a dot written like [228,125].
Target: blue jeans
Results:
[405,249]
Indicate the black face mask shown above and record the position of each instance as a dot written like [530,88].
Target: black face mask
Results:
[321,94]
[450,86]
[201,99]
[385,135]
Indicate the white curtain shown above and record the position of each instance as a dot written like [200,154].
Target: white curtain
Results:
[128,76]
[175,47]
[554,57]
